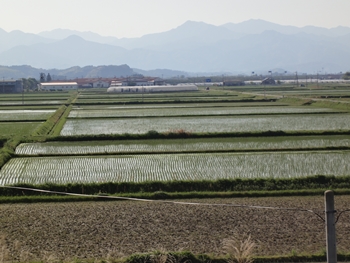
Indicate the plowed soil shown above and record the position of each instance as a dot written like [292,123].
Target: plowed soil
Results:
[95,229]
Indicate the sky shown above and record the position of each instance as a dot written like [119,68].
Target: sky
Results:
[135,18]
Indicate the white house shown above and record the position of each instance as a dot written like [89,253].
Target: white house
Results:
[100,84]
[58,86]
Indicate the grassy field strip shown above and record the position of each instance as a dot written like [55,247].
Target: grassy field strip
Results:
[139,168]
[9,115]
[180,105]
[313,91]
[193,111]
[17,128]
[207,124]
[180,145]
[162,100]
[38,102]
[29,107]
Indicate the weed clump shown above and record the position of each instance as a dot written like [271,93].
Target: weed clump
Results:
[239,250]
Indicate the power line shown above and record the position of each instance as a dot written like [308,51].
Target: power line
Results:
[172,202]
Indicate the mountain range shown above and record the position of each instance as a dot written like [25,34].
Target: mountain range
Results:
[250,46]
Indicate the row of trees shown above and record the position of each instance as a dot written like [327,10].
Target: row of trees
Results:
[347,76]
[30,84]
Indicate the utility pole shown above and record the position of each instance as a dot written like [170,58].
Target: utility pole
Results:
[330,227]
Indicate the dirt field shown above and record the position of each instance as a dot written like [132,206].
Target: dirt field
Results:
[94,229]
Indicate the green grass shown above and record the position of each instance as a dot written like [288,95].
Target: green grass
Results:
[9,129]
[48,127]
[22,195]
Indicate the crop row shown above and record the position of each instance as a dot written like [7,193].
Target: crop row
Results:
[180,145]
[207,124]
[168,167]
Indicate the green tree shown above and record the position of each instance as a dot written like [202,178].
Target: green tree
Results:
[346,75]
[30,83]
[48,77]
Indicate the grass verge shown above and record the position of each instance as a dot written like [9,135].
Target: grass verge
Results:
[25,196]
[8,149]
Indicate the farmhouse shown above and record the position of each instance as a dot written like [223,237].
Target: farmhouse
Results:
[11,86]
[58,86]
[268,81]
[152,89]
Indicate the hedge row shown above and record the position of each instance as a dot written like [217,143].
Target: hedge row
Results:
[222,185]
[180,134]
[33,197]
[175,101]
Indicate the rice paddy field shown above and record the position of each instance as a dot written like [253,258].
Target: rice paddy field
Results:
[15,115]
[168,167]
[207,124]
[83,153]
[182,145]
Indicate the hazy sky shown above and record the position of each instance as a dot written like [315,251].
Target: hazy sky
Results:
[135,18]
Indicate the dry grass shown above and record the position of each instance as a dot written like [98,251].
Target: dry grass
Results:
[240,250]
[16,253]
[178,132]
[4,252]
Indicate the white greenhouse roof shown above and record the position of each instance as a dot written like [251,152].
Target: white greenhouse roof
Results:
[58,84]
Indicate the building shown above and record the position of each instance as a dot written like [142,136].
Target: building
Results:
[58,86]
[268,81]
[108,82]
[11,86]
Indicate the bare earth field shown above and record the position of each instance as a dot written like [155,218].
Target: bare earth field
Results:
[96,229]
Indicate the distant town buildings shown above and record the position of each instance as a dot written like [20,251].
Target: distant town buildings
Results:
[99,83]
[11,86]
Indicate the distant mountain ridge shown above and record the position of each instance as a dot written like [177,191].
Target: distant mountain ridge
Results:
[17,72]
[253,45]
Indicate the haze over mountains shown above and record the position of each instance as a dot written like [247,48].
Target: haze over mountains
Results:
[254,45]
